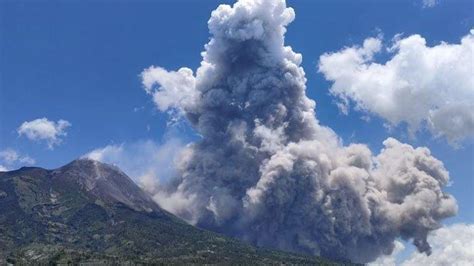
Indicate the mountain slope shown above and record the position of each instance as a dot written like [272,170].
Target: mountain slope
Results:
[89,211]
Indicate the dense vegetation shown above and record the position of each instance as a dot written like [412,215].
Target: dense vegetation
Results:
[49,217]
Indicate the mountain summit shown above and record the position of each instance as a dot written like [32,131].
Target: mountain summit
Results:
[87,211]
[107,183]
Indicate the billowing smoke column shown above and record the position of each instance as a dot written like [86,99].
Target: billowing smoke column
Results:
[266,171]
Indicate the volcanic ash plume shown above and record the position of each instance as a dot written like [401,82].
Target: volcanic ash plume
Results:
[266,171]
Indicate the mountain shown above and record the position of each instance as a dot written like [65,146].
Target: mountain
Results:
[92,212]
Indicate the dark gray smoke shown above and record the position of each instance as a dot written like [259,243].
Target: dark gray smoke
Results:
[266,171]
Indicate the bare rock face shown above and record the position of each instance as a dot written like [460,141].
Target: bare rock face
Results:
[107,183]
[87,211]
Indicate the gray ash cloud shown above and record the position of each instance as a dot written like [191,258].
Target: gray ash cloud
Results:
[266,171]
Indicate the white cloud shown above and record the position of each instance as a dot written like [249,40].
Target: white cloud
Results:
[147,162]
[43,129]
[422,86]
[175,88]
[10,158]
[429,3]
[452,245]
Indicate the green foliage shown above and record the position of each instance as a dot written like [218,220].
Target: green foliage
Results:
[45,220]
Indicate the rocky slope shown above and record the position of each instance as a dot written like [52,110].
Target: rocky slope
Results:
[87,211]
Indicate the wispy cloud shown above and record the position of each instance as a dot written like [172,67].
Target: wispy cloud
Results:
[429,3]
[42,129]
[10,158]
[147,162]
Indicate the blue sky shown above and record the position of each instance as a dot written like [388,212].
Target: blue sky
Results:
[80,61]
